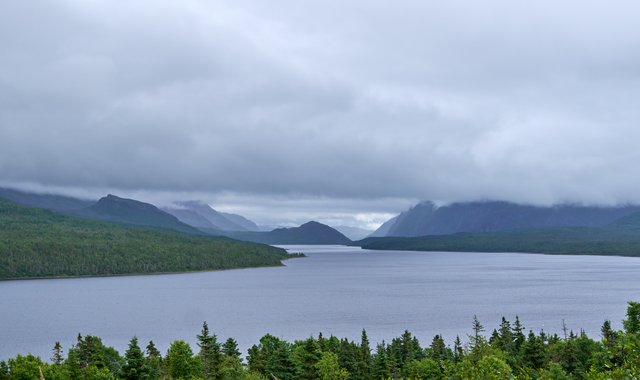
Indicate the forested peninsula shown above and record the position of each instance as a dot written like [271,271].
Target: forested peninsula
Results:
[508,352]
[36,243]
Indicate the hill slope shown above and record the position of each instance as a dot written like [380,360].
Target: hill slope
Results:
[621,238]
[308,233]
[427,219]
[49,201]
[129,211]
[41,243]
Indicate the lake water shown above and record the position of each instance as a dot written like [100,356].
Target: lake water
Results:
[336,290]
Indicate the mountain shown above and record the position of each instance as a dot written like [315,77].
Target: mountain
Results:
[192,218]
[241,221]
[384,229]
[130,211]
[40,243]
[218,219]
[489,216]
[353,233]
[620,237]
[46,201]
[308,233]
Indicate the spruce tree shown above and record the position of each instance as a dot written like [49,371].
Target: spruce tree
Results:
[381,370]
[57,357]
[458,351]
[364,359]
[153,361]
[230,348]
[209,353]
[134,368]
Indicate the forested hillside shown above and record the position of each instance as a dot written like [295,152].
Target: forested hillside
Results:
[509,353]
[41,243]
[621,238]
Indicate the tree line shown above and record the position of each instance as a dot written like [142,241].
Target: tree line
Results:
[41,243]
[508,352]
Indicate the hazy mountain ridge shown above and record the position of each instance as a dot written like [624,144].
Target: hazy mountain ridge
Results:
[620,237]
[308,233]
[491,216]
[52,202]
[131,211]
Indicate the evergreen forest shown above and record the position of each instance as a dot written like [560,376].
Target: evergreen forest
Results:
[507,352]
[41,243]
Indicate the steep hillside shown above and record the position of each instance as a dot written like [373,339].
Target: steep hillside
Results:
[427,219]
[41,243]
[621,237]
[130,211]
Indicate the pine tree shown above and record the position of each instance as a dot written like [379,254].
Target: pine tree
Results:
[477,329]
[381,370]
[153,361]
[230,348]
[364,359]
[305,357]
[209,353]
[458,351]
[152,351]
[57,357]
[134,368]
[518,335]
[534,352]
[438,349]
[608,335]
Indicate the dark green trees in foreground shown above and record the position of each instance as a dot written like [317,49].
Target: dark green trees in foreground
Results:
[508,353]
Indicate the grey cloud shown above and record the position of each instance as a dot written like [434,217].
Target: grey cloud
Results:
[458,100]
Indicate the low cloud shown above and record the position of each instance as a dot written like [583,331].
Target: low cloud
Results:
[328,108]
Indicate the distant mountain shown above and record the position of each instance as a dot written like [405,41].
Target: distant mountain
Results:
[191,218]
[308,233]
[621,238]
[130,211]
[218,219]
[384,229]
[241,221]
[46,201]
[353,233]
[489,216]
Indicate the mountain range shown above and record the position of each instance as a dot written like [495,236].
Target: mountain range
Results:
[491,216]
[191,217]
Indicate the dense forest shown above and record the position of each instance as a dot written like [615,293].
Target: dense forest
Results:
[621,239]
[508,352]
[41,243]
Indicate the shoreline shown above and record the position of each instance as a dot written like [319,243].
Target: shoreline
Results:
[282,264]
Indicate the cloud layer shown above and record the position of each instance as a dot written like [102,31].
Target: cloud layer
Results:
[342,104]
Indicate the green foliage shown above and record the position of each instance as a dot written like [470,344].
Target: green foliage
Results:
[25,367]
[180,362]
[328,368]
[507,355]
[210,354]
[135,367]
[41,243]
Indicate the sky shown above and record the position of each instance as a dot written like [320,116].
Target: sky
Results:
[347,112]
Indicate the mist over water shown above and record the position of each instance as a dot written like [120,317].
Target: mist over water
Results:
[335,290]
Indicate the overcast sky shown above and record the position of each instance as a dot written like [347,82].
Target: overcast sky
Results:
[342,111]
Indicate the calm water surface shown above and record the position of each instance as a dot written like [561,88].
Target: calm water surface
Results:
[336,290]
